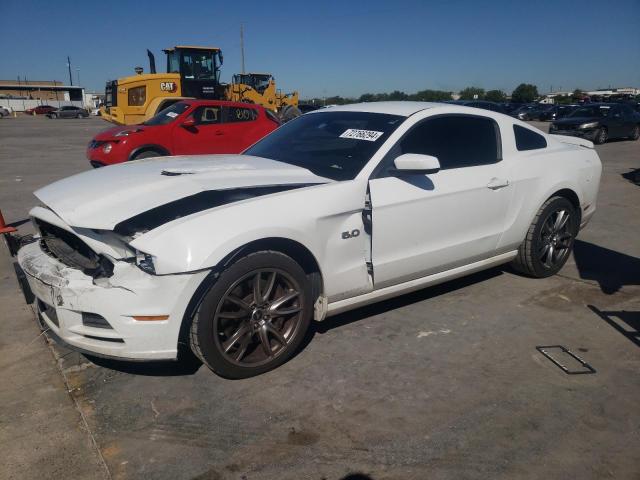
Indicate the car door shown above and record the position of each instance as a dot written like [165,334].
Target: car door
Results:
[628,117]
[207,135]
[424,224]
[617,127]
[242,126]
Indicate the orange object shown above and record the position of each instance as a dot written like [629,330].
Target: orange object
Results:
[150,318]
[3,226]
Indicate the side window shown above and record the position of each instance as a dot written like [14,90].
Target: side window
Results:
[239,114]
[456,141]
[137,95]
[528,139]
[208,115]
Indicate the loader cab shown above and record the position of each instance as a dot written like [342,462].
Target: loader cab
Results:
[258,81]
[199,70]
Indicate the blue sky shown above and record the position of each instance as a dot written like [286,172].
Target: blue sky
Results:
[328,47]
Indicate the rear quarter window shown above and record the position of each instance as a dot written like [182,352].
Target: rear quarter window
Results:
[528,139]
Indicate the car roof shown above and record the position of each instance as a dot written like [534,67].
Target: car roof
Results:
[401,108]
[223,103]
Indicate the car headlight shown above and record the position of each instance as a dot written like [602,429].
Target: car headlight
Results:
[107,147]
[126,133]
[144,261]
[589,125]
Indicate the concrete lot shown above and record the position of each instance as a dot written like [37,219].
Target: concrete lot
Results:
[444,383]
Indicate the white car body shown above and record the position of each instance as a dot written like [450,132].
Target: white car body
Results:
[464,220]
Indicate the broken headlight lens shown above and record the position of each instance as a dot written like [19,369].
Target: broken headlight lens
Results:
[144,261]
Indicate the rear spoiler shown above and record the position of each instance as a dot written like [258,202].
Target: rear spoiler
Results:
[573,140]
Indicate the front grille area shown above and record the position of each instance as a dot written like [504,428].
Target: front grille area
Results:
[70,250]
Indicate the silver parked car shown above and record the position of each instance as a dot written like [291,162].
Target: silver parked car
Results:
[4,111]
[69,112]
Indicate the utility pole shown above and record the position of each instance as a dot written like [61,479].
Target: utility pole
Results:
[69,66]
[242,46]
[78,72]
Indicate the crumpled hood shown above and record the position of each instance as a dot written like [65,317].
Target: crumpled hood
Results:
[101,198]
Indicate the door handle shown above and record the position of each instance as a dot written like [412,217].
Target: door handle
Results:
[219,132]
[497,183]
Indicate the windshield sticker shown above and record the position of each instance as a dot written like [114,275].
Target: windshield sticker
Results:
[172,114]
[368,135]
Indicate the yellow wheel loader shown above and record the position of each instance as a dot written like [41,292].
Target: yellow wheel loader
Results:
[192,72]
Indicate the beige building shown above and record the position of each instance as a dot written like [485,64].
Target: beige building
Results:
[40,90]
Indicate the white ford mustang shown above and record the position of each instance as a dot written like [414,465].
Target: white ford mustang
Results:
[232,256]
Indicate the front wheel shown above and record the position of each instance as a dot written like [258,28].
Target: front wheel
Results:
[635,134]
[549,240]
[53,116]
[254,317]
[601,136]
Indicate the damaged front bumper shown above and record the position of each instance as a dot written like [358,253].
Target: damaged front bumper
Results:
[96,315]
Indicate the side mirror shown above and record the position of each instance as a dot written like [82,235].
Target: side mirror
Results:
[414,163]
[188,123]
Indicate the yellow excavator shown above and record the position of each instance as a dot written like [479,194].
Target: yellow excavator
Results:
[192,72]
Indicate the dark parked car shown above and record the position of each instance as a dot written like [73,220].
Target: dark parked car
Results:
[304,108]
[531,111]
[68,112]
[494,107]
[557,112]
[599,122]
[40,110]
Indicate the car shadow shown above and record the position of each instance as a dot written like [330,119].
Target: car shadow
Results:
[633,176]
[627,323]
[612,270]
[18,223]
[187,364]
[426,293]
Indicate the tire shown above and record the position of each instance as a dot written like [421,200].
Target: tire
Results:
[147,154]
[635,135]
[238,333]
[79,115]
[600,136]
[546,248]
[53,116]
[288,113]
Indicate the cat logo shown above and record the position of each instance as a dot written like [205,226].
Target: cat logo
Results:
[168,86]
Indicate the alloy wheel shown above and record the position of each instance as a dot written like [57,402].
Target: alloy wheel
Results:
[556,238]
[258,316]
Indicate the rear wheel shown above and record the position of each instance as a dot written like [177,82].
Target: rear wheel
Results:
[255,316]
[600,136]
[549,240]
[635,134]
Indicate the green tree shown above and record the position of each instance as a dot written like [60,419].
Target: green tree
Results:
[430,96]
[398,95]
[472,93]
[525,93]
[367,97]
[577,94]
[495,96]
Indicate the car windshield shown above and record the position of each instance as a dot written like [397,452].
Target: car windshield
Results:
[335,145]
[590,112]
[168,115]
